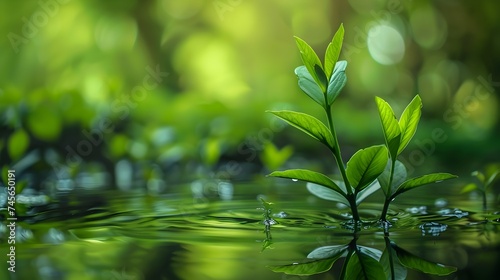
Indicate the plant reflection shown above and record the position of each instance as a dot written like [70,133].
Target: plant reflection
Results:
[268,221]
[362,262]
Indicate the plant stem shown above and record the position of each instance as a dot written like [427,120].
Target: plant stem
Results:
[336,151]
[351,196]
[385,209]
[484,200]
[388,193]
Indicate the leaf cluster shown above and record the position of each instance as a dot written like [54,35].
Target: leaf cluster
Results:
[368,169]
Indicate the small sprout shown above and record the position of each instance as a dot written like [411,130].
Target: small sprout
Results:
[486,182]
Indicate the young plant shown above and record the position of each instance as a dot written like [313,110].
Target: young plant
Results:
[322,82]
[486,181]
[368,168]
[397,134]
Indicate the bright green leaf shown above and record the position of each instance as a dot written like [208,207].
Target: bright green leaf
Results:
[361,267]
[309,86]
[328,252]
[18,143]
[308,268]
[409,122]
[326,193]
[310,60]
[491,179]
[309,125]
[337,81]
[211,151]
[390,125]
[44,123]
[366,165]
[399,176]
[468,188]
[308,176]
[411,261]
[272,157]
[333,51]
[422,180]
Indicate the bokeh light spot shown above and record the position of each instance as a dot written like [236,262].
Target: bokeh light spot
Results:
[385,44]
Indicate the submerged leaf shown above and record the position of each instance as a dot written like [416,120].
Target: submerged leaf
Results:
[409,122]
[337,81]
[326,193]
[311,61]
[366,165]
[422,180]
[361,266]
[307,268]
[308,124]
[333,51]
[414,262]
[392,265]
[308,176]
[390,125]
[309,86]
[328,252]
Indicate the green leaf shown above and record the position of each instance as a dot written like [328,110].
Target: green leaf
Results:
[468,188]
[211,151]
[309,86]
[309,125]
[321,76]
[361,266]
[411,261]
[307,268]
[392,265]
[326,193]
[272,157]
[409,122]
[45,123]
[371,252]
[480,176]
[422,180]
[333,51]
[491,179]
[390,125]
[337,81]
[310,60]
[328,252]
[399,177]
[373,187]
[18,143]
[308,176]
[366,165]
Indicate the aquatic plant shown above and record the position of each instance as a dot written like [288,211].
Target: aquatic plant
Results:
[486,180]
[368,169]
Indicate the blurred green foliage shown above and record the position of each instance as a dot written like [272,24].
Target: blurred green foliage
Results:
[188,81]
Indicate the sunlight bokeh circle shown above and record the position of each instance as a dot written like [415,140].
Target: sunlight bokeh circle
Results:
[385,44]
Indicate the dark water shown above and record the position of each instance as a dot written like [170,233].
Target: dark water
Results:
[198,232]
